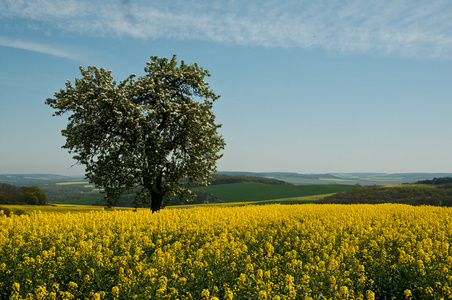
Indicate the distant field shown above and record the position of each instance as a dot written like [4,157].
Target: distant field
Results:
[79,207]
[346,178]
[295,180]
[85,200]
[249,191]
[73,182]
[234,192]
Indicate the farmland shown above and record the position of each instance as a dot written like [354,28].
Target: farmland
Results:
[76,190]
[249,191]
[246,252]
[81,193]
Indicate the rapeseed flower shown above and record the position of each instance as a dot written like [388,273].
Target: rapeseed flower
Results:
[256,252]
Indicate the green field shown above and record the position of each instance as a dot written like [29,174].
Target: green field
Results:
[234,192]
[249,191]
[77,208]
[85,200]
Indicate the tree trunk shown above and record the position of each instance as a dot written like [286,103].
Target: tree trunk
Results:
[156,201]
[155,188]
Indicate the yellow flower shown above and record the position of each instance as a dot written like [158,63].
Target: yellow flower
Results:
[343,292]
[16,287]
[408,294]
[205,294]
[262,295]
[237,252]
[370,295]
[115,292]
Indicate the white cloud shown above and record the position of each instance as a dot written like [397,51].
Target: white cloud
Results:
[399,27]
[42,9]
[42,48]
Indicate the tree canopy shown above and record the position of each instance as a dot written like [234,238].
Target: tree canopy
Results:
[404,194]
[33,195]
[150,131]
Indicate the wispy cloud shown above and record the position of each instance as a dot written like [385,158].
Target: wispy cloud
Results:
[404,28]
[42,48]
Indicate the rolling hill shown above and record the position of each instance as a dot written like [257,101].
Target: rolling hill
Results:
[226,186]
[344,178]
[250,191]
[413,194]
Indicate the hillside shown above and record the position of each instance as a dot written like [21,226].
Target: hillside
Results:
[228,186]
[414,194]
[250,191]
[344,178]
[226,179]
[81,192]
[291,177]
[35,179]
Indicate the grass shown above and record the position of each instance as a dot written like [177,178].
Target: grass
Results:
[293,200]
[74,208]
[85,200]
[250,192]
[73,182]
[238,192]
[297,180]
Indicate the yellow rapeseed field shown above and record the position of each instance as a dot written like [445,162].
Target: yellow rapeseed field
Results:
[250,252]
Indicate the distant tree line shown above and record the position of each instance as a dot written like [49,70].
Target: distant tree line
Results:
[227,179]
[33,195]
[413,195]
[445,182]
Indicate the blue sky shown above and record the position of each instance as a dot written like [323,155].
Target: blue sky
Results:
[307,86]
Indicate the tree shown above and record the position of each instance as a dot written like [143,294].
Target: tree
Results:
[34,195]
[29,198]
[150,131]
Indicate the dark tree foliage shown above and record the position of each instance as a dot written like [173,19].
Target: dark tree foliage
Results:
[9,192]
[413,195]
[436,181]
[33,195]
[227,179]
[224,179]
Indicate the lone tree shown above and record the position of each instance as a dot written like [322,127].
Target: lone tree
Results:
[152,131]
